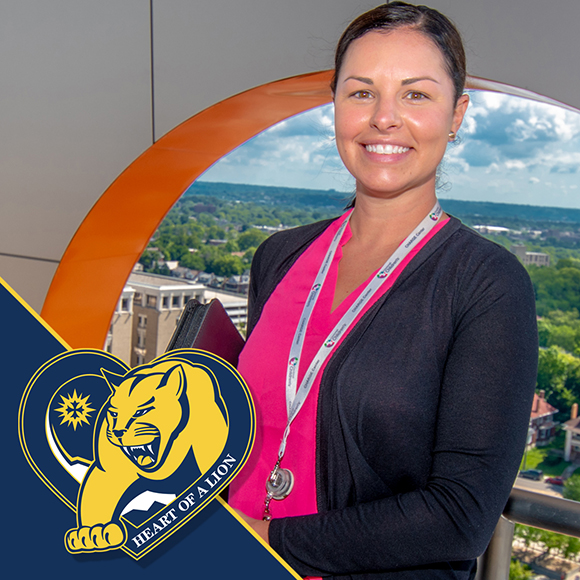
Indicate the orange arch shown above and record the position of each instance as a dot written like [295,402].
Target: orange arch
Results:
[84,292]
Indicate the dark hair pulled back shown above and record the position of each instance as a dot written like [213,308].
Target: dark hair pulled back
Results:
[387,17]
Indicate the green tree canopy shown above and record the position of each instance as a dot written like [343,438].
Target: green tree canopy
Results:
[251,239]
[194,261]
[519,571]
[561,329]
[572,488]
[559,377]
[556,288]
[568,263]
[226,266]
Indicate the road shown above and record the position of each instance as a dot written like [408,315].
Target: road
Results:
[538,486]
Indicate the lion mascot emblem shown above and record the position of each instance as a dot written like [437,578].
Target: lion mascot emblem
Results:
[157,416]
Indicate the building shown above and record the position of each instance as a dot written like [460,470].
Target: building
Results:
[530,258]
[122,327]
[493,230]
[149,308]
[536,259]
[542,424]
[572,428]
[238,284]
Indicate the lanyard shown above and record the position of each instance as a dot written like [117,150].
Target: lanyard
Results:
[295,397]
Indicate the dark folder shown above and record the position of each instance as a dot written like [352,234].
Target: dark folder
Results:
[207,327]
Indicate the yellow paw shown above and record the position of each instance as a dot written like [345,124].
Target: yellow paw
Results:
[95,538]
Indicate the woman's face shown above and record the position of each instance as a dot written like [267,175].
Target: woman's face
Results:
[394,110]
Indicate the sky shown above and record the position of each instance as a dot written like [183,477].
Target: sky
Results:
[510,150]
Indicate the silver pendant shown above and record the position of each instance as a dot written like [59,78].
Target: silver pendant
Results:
[280,483]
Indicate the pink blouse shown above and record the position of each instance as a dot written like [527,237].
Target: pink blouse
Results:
[263,365]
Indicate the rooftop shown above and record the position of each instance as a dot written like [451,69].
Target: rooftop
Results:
[157,280]
[572,424]
[541,407]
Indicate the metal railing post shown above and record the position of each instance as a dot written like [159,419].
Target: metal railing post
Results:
[494,564]
[555,514]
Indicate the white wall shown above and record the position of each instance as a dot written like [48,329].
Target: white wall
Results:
[531,44]
[76,110]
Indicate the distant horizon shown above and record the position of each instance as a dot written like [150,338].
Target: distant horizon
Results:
[330,199]
[346,192]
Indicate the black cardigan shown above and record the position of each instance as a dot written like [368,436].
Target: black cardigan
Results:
[422,413]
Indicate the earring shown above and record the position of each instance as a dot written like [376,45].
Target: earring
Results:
[452,136]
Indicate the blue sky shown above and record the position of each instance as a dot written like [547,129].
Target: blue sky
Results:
[511,150]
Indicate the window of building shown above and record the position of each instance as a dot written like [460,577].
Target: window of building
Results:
[165,302]
[125,305]
[138,298]
[175,301]
[140,359]
[141,339]
[151,301]
[186,299]
[142,320]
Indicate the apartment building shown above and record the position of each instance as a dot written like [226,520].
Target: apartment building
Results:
[149,308]
[530,258]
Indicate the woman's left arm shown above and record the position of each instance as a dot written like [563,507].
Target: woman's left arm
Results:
[482,418]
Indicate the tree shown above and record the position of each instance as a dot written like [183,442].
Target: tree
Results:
[572,488]
[561,329]
[571,548]
[194,261]
[559,377]
[232,246]
[251,239]
[556,289]
[528,534]
[149,259]
[215,233]
[519,571]
[249,255]
[552,541]
[568,263]
[226,266]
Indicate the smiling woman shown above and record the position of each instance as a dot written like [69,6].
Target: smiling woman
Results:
[395,113]
[407,344]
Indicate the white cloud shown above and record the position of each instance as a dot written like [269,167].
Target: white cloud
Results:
[515,164]
[492,101]
[469,125]
[456,164]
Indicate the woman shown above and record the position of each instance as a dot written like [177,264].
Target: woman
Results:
[407,342]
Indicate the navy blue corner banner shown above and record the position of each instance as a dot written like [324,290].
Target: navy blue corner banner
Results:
[111,472]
